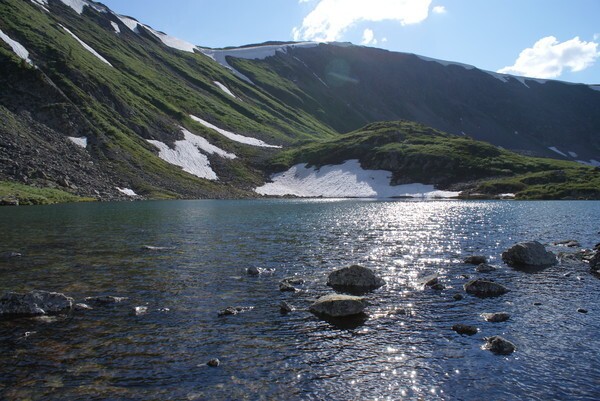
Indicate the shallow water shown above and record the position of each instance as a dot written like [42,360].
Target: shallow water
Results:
[404,350]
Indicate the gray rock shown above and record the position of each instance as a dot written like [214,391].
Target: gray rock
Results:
[528,254]
[582,310]
[10,255]
[233,310]
[284,286]
[458,297]
[496,317]
[438,287]
[213,363]
[34,303]
[284,307]
[475,259]
[338,305]
[293,280]
[484,268]
[499,345]
[252,271]
[595,262]
[485,288]
[430,280]
[354,279]
[105,300]
[571,243]
[465,329]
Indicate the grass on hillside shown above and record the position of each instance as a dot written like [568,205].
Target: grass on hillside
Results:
[28,195]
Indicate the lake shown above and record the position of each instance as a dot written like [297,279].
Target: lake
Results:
[404,350]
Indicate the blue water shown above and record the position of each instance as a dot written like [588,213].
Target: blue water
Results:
[404,350]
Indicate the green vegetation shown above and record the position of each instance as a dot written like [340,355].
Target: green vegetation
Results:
[28,195]
[415,153]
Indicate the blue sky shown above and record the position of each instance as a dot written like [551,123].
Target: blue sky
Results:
[555,39]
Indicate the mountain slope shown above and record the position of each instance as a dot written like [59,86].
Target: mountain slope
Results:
[349,86]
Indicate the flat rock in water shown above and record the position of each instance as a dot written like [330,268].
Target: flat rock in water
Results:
[430,280]
[284,286]
[496,317]
[528,254]
[252,271]
[499,345]
[233,310]
[354,279]
[213,363]
[10,255]
[105,300]
[34,303]
[338,305]
[571,243]
[465,329]
[484,268]
[485,288]
[475,260]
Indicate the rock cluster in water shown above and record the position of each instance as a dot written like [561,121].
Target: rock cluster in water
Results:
[34,303]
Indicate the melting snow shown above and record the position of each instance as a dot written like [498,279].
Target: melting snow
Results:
[188,156]
[16,47]
[234,137]
[115,27]
[171,41]
[127,191]
[78,5]
[82,141]
[42,3]
[251,53]
[345,180]
[554,149]
[573,154]
[87,47]
[593,162]
[224,89]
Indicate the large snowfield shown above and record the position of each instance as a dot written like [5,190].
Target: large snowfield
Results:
[342,181]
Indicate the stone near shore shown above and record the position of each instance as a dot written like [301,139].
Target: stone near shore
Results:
[213,363]
[233,310]
[465,329]
[496,317]
[499,345]
[10,255]
[475,260]
[485,288]
[105,300]
[338,305]
[595,263]
[34,303]
[357,279]
[528,254]
[571,243]
[484,268]
[285,307]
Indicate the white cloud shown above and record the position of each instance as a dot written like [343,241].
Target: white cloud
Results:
[596,36]
[439,10]
[548,58]
[368,37]
[331,18]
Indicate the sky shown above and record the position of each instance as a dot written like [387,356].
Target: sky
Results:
[551,39]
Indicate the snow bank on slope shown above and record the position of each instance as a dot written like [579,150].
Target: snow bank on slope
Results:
[593,162]
[234,137]
[87,47]
[127,191]
[82,141]
[224,89]
[128,22]
[172,41]
[43,4]
[344,180]
[573,154]
[251,53]
[187,155]
[79,5]
[555,150]
[115,27]
[18,48]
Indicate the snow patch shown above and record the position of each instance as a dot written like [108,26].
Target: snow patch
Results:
[187,155]
[446,63]
[555,149]
[115,27]
[171,41]
[43,4]
[234,137]
[127,191]
[506,196]
[251,53]
[573,154]
[87,47]
[344,180]
[593,162]
[82,141]
[224,89]
[79,5]
[16,47]
[128,22]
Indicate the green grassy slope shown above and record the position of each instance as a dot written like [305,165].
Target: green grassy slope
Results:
[416,153]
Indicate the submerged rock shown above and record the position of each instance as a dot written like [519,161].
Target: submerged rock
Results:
[34,303]
[429,281]
[499,345]
[457,297]
[496,317]
[233,310]
[252,271]
[105,300]
[571,243]
[286,287]
[355,278]
[582,310]
[484,268]
[338,305]
[485,288]
[213,363]
[284,307]
[464,329]
[10,255]
[475,260]
[595,263]
[528,254]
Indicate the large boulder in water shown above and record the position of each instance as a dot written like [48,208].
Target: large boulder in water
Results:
[595,263]
[528,254]
[355,279]
[499,345]
[485,288]
[338,305]
[34,303]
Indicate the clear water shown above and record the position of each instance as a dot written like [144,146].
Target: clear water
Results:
[109,353]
